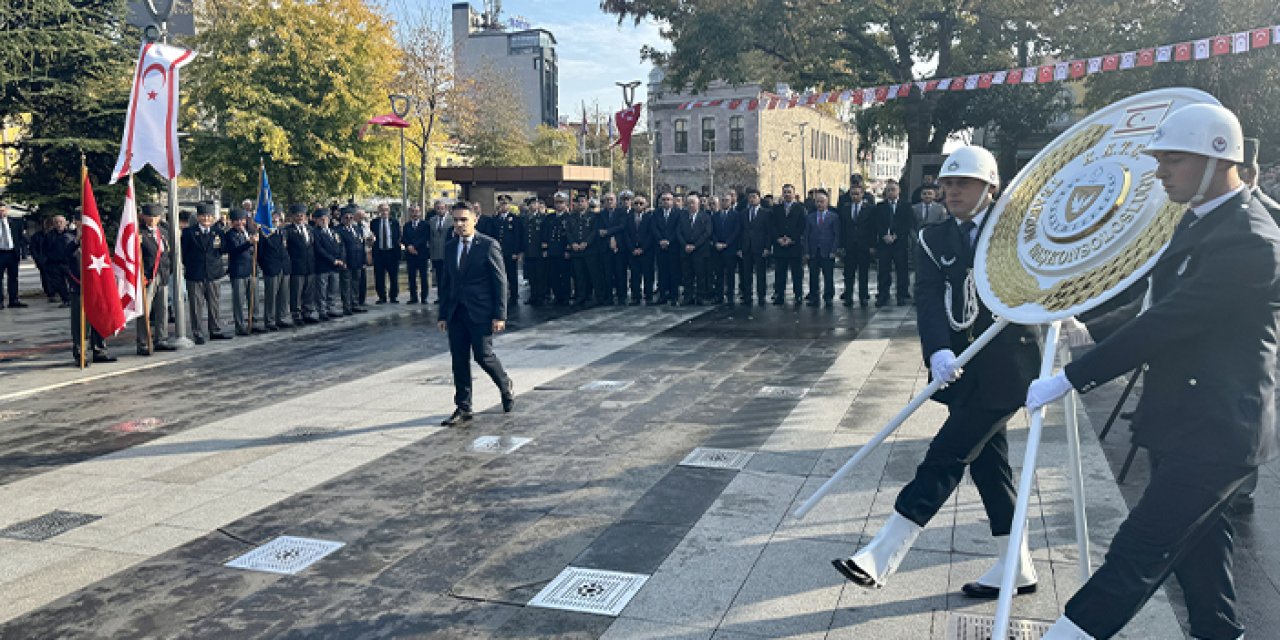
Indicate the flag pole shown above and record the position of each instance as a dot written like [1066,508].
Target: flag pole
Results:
[84,176]
[146,295]
[253,273]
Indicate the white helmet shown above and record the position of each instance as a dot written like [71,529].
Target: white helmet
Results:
[1207,130]
[972,162]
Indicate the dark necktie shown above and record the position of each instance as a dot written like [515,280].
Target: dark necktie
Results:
[966,230]
[466,248]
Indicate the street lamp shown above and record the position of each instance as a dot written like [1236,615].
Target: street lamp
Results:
[400,107]
[804,173]
[773,176]
[628,99]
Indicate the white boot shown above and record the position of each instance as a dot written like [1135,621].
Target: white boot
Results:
[1065,629]
[988,586]
[874,563]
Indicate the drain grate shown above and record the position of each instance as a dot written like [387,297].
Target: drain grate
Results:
[606,385]
[302,434]
[47,526]
[603,593]
[967,626]
[286,555]
[497,444]
[713,458]
[545,346]
[781,392]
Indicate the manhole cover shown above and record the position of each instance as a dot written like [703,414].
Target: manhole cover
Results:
[716,458]
[301,434]
[545,347]
[47,526]
[781,392]
[287,555]
[606,385]
[604,593]
[967,626]
[141,425]
[497,444]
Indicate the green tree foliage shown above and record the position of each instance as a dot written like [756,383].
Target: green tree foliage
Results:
[67,63]
[291,80]
[489,120]
[552,146]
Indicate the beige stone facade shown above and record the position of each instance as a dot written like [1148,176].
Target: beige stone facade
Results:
[766,140]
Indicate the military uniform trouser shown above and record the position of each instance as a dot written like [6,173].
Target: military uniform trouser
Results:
[95,342]
[327,293]
[535,271]
[204,297]
[242,297]
[347,281]
[158,305]
[302,297]
[275,301]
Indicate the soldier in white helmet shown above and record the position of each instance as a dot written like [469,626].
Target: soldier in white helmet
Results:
[1207,345]
[980,399]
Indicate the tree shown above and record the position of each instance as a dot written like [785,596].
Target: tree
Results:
[68,64]
[490,121]
[552,146]
[291,80]
[426,77]
[734,173]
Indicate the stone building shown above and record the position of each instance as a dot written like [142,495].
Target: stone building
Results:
[716,147]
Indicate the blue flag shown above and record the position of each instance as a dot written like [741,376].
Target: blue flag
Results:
[262,215]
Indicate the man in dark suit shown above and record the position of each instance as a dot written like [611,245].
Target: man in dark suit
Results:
[892,223]
[386,256]
[980,400]
[440,225]
[666,219]
[788,232]
[508,230]
[473,307]
[580,232]
[1207,347]
[821,239]
[726,246]
[416,239]
[330,261]
[204,267]
[353,250]
[299,240]
[636,242]
[273,260]
[757,239]
[616,210]
[693,237]
[157,267]
[535,253]
[13,245]
[555,237]
[238,244]
[855,240]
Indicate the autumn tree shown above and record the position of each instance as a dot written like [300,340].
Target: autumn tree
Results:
[552,146]
[490,119]
[426,78]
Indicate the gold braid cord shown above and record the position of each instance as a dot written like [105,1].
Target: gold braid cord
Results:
[1011,282]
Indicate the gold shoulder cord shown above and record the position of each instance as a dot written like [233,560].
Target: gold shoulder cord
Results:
[1015,286]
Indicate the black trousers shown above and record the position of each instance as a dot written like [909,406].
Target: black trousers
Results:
[891,261]
[9,270]
[641,267]
[535,271]
[857,264]
[60,278]
[1179,526]
[512,267]
[620,262]
[560,272]
[386,266]
[95,342]
[605,265]
[781,266]
[469,340]
[970,437]
[362,287]
[827,267]
[416,266]
[668,274]
[584,278]
[754,268]
[724,269]
[696,271]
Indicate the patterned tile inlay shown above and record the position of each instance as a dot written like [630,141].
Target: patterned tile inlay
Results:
[47,526]
[545,346]
[968,626]
[606,385]
[717,458]
[497,444]
[781,392]
[286,555]
[299,434]
[604,593]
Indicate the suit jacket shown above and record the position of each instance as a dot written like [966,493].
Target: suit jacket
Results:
[727,229]
[696,231]
[328,250]
[757,234]
[636,235]
[615,224]
[202,255]
[998,376]
[510,234]
[1267,203]
[239,253]
[376,227]
[352,247]
[822,237]
[934,213]
[898,218]
[1207,343]
[150,248]
[664,227]
[790,224]
[441,230]
[478,285]
[416,235]
[302,255]
[856,227]
[273,256]
[18,233]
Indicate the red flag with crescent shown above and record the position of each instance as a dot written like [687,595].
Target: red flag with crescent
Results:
[151,123]
[626,121]
[100,299]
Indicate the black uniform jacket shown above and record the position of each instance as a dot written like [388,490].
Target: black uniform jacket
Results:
[202,254]
[996,378]
[1208,341]
[302,255]
[329,251]
[239,253]
[162,272]
[273,258]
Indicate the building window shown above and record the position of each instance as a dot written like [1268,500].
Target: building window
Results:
[682,136]
[708,135]
[737,133]
[657,140]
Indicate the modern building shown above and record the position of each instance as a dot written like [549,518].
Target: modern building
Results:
[713,148]
[888,157]
[526,58]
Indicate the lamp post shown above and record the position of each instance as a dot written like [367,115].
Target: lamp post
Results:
[628,99]
[804,172]
[400,107]
[773,175]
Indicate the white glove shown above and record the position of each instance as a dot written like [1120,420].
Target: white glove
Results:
[1074,333]
[1045,390]
[943,366]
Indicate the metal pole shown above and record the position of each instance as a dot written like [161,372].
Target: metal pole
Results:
[875,441]
[1000,629]
[1077,486]
[804,171]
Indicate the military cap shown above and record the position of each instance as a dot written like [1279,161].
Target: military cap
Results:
[320,213]
[562,196]
[152,209]
[239,214]
[297,208]
[626,195]
[1250,152]
[206,209]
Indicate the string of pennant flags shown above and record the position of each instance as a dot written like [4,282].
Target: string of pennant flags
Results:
[1226,44]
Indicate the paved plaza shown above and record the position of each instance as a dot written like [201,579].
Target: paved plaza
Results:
[127,488]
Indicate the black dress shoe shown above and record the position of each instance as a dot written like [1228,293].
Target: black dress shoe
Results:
[983,592]
[848,303]
[163,346]
[143,351]
[18,304]
[360,310]
[220,336]
[854,573]
[812,303]
[381,302]
[509,398]
[864,303]
[311,320]
[103,357]
[241,332]
[413,300]
[902,302]
[285,325]
[460,416]
[779,302]
[199,340]
[881,303]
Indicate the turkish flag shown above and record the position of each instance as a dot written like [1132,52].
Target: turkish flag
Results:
[626,121]
[1221,45]
[1045,74]
[984,81]
[151,123]
[882,93]
[1015,77]
[931,85]
[1146,58]
[1261,38]
[1111,62]
[1077,69]
[99,297]
[126,262]
[1182,52]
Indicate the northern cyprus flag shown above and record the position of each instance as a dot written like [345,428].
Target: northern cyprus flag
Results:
[151,124]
